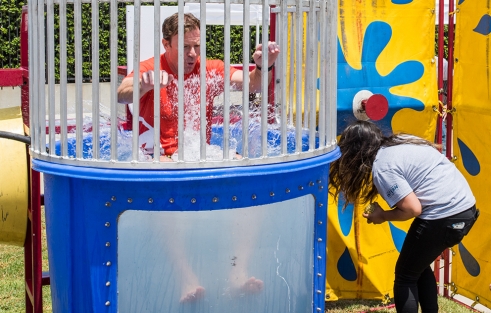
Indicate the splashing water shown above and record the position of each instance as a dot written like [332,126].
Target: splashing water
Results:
[192,118]
[191,134]
[191,142]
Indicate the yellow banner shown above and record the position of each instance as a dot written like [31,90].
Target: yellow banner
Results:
[385,48]
[361,257]
[471,268]
[388,49]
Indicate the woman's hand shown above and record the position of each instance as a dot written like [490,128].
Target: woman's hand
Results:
[407,208]
[376,216]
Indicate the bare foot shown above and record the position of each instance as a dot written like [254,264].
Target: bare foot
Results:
[251,286]
[193,296]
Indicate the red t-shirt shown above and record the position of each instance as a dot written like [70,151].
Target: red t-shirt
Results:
[169,103]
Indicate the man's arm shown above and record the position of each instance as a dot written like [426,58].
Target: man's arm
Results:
[125,90]
[255,75]
[407,208]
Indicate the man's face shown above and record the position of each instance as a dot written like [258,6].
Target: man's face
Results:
[191,50]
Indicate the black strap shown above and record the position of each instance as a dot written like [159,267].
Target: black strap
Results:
[269,68]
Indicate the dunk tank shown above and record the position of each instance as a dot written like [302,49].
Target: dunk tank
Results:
[234,222]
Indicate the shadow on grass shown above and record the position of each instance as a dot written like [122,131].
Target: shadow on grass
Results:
[358,306]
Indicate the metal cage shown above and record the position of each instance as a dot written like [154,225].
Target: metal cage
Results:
[296,121]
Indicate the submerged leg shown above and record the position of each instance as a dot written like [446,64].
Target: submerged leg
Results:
[191,289]
[245,236]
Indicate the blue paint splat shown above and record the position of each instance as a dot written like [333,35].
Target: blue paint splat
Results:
[471,163]
[351,81]
[484,25]
[401,1]
[470,263]
[346,267]
[398,236]
[345,218]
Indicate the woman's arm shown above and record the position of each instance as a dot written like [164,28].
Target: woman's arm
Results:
[407,208]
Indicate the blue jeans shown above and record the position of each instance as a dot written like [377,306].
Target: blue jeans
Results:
[425,241]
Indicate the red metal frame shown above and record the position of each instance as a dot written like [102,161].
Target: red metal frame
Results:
[451,26]
[446,254]
[438,137]
[449,118]
[34,276]
[35,279]
[449,125]
[11,77]
[440,70]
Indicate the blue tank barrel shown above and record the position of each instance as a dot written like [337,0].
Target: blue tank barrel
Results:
[106,244]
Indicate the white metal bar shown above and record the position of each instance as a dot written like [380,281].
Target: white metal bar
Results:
[41,79]
[203,100]
[333,60]
[95,80]
[323,26]
[264,80]
[33,79]
[114,78]
[281,74]
[314,66]
[305,75]
[156,92]
[63,80]
[245,87]
[136,82]
[226,94]
[180,84]
[298,73]
[51,72]
[292,67]
[79,106]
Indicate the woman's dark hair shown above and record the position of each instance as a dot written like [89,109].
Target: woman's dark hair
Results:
[359,143]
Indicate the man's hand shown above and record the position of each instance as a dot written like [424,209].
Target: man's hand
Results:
[147,81]
[273,51]
[165,158]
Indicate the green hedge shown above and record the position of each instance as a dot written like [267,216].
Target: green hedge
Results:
[10,18]
[445,41]
[10,15]
[104,41]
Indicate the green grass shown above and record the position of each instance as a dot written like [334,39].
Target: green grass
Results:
[12,291]
[352,306]
[12,296]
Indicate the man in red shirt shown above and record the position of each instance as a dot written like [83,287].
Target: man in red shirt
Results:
[168,84]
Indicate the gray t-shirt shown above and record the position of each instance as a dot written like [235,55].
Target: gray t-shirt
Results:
[438,184]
